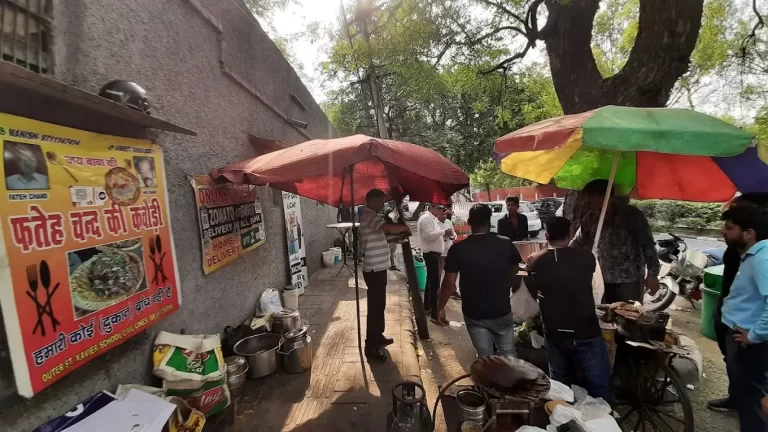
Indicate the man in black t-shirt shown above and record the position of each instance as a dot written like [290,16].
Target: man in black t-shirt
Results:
[514,225]
[563,276]
[487,262]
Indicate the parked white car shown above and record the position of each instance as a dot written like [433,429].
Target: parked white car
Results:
[499,209]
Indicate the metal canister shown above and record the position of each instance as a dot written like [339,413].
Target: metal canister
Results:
[285,320]
[237,367]
[471,406]
[297,351]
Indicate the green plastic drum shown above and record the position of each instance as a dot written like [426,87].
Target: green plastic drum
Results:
[421,274]
[713,278]
[710,294]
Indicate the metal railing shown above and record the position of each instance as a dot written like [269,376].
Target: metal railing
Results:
[25,31]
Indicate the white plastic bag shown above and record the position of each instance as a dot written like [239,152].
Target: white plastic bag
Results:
[563,414]
[524,307]
[592,408]
[530,429]
[598,285]
[579,393]
[603,424]
[269,302]
[537,340]
[559,391]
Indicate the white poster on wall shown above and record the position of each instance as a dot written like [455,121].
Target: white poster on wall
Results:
[297,255]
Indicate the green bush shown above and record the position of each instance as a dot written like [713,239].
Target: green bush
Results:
[684,214]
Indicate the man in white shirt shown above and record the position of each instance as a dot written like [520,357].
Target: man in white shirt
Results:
[445,220]
[375,264]
[431,239]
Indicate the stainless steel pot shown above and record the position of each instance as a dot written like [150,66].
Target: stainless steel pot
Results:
[296,351]
[237,367]
[527,248]
[285,320]
[471,406]
[260,351]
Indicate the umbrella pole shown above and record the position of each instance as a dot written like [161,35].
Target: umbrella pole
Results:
[607,198]
[357,282]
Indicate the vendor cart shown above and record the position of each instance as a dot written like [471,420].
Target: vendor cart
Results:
[649,394]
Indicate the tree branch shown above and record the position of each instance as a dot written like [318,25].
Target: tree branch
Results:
[497,31]
[531,33]
[506,11]
[751,38]
[503,64]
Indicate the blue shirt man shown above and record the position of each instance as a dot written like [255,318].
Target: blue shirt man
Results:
[746,306]
[745,313]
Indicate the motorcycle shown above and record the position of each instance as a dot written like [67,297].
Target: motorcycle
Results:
[682,271]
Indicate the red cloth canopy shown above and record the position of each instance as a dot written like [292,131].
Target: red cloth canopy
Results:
[317,169]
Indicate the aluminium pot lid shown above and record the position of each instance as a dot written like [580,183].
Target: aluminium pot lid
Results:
[297,333]
[286,313]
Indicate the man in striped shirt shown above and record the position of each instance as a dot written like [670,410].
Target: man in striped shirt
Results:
[375,264]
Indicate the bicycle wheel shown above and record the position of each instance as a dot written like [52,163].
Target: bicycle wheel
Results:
[651,397]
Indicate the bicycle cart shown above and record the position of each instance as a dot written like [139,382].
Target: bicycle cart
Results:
[649,394]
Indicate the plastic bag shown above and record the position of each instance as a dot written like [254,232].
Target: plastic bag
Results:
[603,424]
[537,340]
[530,429]
[209,397]
[524,307]
[559,391]
[579,393]
[562,415]
[592,408]
[269,302]
[185,418]
[191,359]
[598,285]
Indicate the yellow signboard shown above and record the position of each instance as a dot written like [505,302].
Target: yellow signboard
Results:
[86,246]
[231,221]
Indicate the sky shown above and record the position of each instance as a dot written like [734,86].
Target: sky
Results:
[310,52]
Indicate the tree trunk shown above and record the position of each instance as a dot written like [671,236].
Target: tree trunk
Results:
[666,37]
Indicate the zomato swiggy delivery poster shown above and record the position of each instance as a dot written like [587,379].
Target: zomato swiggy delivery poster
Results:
[231,221]
[87,257]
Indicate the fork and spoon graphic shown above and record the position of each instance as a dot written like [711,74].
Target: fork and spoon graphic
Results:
[34,280]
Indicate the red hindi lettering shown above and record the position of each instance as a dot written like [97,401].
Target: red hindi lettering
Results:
[155,213]
[85,224]
[139,216]
[115,218]
[147,215]
[112,162]
[22,232]
[37,230]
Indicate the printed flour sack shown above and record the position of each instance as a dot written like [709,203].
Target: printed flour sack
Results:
[192,367]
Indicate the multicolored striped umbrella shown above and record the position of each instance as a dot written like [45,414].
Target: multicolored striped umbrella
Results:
[663,153]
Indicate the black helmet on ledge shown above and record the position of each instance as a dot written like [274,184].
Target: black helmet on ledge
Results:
[126,93]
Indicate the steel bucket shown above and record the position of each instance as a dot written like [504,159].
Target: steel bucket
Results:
[260,351]
[528,248]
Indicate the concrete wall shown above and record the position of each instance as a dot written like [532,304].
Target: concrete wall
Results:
[205,63]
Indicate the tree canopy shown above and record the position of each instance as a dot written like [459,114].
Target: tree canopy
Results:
[453,76]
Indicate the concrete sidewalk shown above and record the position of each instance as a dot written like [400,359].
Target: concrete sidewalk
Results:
[338,394]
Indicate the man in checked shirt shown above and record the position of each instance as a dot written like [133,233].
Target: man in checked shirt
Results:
[626,249]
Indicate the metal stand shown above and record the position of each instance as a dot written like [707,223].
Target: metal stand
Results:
[413,285]
[357,282]
[343,232]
